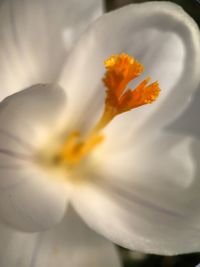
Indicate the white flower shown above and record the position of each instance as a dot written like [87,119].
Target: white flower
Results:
[139,187]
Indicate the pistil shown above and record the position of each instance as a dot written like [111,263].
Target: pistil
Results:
[120,70]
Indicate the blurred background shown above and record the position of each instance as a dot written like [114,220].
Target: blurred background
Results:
[136,259]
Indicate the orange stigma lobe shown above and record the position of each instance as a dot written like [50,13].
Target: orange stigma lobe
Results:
[120,70]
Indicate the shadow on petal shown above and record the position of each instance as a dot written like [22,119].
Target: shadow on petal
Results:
[188,122]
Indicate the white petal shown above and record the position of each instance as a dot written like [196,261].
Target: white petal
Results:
[70,244]
[162,36]
[16,248]
[148,199]
[188,121]
[29,199]
[36,37]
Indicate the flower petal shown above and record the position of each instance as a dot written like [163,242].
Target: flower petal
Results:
[30,200]
[160,35]
[71,243]
[148,198]
[36,36]
[188,121]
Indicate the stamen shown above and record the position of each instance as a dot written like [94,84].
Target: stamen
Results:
[120,70]
[75,149]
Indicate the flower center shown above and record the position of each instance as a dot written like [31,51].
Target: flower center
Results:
[120,70]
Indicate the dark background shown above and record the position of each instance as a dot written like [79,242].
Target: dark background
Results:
[136,259]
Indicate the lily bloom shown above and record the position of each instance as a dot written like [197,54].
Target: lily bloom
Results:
[89,145]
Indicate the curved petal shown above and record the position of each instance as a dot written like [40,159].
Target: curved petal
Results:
[71,243]
[147,200]
[160,35]
[36,36]
[188,123]
[30,200]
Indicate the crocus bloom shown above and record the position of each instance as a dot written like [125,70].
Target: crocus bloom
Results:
[137,182]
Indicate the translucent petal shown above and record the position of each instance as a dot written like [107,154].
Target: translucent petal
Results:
[71,243]
[36,37]
[160,35]
[147,198]
[30,199]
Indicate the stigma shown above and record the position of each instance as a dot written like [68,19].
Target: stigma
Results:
[119,98]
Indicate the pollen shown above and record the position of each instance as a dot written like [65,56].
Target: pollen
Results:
[120,71]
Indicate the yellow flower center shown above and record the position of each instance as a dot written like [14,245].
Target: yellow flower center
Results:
[120,70]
